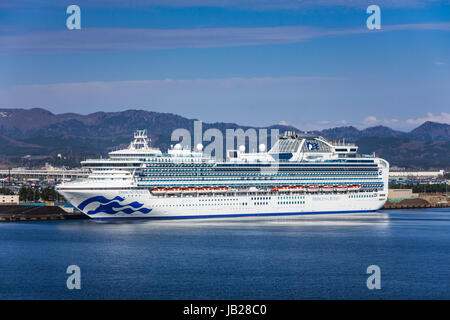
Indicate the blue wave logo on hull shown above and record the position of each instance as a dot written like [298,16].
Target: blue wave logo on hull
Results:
[109,205]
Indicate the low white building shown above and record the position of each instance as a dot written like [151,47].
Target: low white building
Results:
[9,199]
[400,194]
[416,174]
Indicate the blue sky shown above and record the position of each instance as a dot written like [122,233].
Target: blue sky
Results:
[312,64]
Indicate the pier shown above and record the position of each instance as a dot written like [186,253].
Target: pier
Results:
[46,173]
[406,199]
[11,213]
[414,204]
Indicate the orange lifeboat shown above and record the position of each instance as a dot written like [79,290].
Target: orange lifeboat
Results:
[159,191]
[174,190]
[354,188]
[190,190]
[297,188]
[312,189]
[284,189]
[341,188]
[327,188]
[220,190]
[205,190]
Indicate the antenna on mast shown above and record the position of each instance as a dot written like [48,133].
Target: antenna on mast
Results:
[140,140]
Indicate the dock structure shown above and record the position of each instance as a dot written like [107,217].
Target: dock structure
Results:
[415,203]
[11,213]
[53,173]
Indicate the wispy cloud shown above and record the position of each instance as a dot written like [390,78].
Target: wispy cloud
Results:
[164,94]
[124,39]
[443,26]
[152,39]
[247,4]
[374,121]
[371,120]
[444,117]
[285,123]
[258,100]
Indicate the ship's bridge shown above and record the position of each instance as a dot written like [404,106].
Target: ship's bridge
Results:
[139,147]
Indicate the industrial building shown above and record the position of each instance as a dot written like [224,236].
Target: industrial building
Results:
[7,199]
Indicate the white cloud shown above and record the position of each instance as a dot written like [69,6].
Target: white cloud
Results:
[444,117]
[284,123]
[370,120]
[125,39]
[258,100]
[404,124]
[246,4]
[165,95]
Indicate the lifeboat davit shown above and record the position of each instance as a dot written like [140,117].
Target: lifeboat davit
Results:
[297,188]
[313,189]
[190,190]
[341,188]
[174,190]
[327,188]
[159,191]
[205,190]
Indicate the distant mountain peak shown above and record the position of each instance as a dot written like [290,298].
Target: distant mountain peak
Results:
[431,131]
[433,124]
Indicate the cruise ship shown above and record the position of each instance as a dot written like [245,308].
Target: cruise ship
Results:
[300,174]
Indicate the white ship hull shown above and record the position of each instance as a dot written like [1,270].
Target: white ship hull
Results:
[299,175]
[141,204]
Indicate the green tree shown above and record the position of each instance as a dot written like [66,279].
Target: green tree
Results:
[48,194]
[23,194]
[6,191]
[420,188]
[29,194]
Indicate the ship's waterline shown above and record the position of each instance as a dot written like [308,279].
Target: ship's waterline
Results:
[299,175]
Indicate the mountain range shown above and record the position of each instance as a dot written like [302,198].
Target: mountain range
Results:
[29,137]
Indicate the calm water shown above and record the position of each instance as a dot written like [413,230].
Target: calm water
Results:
[306,257]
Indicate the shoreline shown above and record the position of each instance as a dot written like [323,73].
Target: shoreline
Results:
[411,206]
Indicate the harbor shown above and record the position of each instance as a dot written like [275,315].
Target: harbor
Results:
[293,257]
[300,174]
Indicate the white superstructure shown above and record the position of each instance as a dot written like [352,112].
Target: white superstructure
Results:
[298,175]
